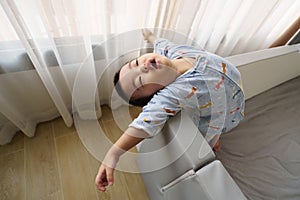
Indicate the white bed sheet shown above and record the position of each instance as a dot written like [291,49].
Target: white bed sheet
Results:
[262,154]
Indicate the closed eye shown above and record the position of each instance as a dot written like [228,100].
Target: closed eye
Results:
[140,80]
[136,62]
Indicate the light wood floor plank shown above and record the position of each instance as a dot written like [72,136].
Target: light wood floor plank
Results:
[76,179]
[60,129]
[12,180]
[41,170]
[16,144]
[111,129]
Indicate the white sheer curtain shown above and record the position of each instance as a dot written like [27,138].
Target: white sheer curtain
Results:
[67,45]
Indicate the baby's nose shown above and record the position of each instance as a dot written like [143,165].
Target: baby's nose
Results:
[144,68]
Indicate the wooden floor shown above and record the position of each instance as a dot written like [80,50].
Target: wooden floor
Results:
[55,165]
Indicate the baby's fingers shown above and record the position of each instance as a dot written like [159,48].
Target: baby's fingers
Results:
[101,179]
[110,175]
[146,32]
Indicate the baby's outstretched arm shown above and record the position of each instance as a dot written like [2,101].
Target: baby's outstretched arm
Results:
[129,139]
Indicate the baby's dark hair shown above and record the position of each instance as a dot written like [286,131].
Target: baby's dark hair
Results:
[136,102]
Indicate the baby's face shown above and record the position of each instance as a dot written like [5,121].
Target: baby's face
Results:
[146,75]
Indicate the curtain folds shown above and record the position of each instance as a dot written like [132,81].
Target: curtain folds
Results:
[67,50]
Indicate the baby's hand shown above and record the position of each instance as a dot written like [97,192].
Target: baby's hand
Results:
[105,176]
[148,35]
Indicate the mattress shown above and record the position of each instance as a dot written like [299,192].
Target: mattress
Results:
[262,154]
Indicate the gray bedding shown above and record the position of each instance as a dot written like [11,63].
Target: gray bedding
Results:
[262,154]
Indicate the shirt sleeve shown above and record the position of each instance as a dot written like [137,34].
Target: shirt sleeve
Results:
[155,114]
